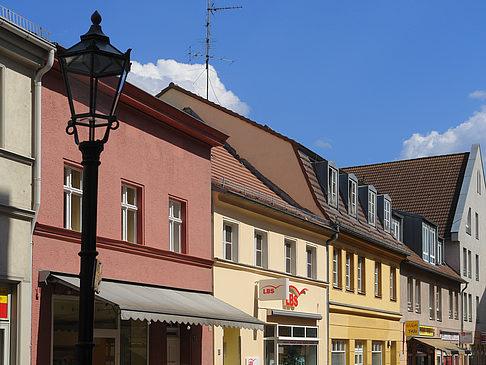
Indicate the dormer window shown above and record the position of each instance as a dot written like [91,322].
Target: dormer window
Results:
[348,187]
[332,187]
[367,198]
[384,211]
[396,228]
[429,243]
[353,198]
[372,207]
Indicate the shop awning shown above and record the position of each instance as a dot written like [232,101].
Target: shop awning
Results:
[440,344]
[152,303]
[280,312]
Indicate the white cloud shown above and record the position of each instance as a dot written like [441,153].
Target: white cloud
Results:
[455,139]
[153,78]
[478,94]
[322,144]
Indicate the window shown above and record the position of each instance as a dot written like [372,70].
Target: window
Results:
[438,304]
[73,193]
[176,232]
[361,275]
[130,211]
[410,294]
[336,267]
[464,307]
[376,348]
[440,252]
[429,243]
[456,305]
[477,309]
[371,207]
[261,249]
[396,229]
[349,271]
[431,302]
[353,198]
[470,308]
[290,257]
[386,216]
[377,279]
[338,352]
[311,262]
[417,296]
[333,183]
[358,353]
[469,264]
[451,304]
[468,221]
[393,283]
[478,182]
[464,262]
[230,241]
[477,267]
[477,225]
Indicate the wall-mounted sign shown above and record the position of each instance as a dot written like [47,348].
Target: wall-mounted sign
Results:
[273,289]
[449,336]
[3,303]
[483,338]
[294,295]
[427,331]
[253,360]
[411,328]
[466,337]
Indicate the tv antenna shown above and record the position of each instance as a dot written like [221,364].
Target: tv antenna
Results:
[211,9]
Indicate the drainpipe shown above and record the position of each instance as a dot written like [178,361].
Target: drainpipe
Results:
[36,179]
[333,238]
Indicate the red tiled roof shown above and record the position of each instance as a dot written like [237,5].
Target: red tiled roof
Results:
[427,186]
[444,270]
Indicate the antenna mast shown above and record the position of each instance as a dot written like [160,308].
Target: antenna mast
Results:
[210,10]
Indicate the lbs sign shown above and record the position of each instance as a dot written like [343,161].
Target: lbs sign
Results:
[274,289]
[294,295]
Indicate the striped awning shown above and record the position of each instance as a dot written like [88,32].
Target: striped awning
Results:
[152,303]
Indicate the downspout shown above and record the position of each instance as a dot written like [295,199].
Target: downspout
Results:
[36,178]
[333,238]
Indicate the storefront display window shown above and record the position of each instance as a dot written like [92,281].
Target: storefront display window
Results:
[5,300]
[269,352]
[133,337]
[338,352]
[290,354]
[376,354]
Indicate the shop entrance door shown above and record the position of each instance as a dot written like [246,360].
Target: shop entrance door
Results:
[4,343]
[106,347]
[173,350]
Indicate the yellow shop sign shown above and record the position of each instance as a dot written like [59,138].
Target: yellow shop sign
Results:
[411,328]
[427,331]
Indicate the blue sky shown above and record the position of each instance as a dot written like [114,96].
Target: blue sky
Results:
[356,81]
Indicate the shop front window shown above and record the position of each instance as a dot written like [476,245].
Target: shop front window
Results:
[5,299]
[376,355]
[297,354]
[338,352]
[133,336]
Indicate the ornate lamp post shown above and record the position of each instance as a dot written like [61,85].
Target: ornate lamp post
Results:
[94,72]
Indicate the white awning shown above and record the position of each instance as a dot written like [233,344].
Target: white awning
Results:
[153,303]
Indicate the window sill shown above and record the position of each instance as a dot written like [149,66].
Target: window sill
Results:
[349,290]
[378,296]
[393,299]
[337,287]
[361,292]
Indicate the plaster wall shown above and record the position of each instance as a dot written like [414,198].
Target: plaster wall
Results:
[251,143]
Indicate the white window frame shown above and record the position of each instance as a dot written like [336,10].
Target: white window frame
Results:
[464,307]
[418,296]
[333,184]
[476,215]
[353,198]
[377,348]
[456,305]
[469,264]
[371,207]
[175,223]
[438,303]
[431,302]
[468,221]
[464,262]
[360,272]
[311,269]
[290,256]
[358,353]
[451,304]
[263,251]
[349,270]
[127,207]
[69,191]
[338,346]
[477,267]
[336,267]
[410,294]
[470,308]
[396,228]
[378,283]
[393,283]
[233,244]
[387,215]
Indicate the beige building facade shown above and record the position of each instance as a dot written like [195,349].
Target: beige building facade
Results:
[24,58]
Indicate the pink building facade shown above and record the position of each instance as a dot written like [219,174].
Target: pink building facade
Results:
[154,237]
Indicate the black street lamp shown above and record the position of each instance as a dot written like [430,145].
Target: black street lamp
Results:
[94,72]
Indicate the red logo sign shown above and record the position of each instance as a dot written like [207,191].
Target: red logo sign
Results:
[294,295]
[270,289]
